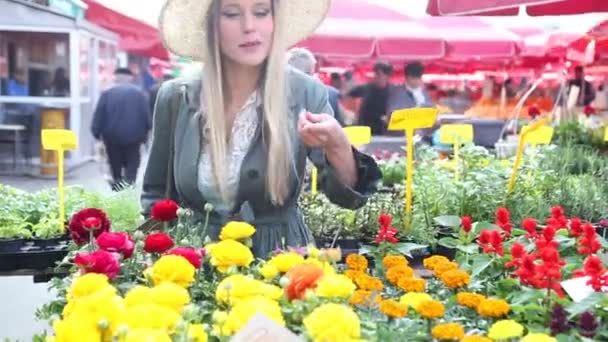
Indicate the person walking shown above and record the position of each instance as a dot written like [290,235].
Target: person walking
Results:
[122,121]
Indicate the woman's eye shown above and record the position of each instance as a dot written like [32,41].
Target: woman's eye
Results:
[261,13]
[230,14]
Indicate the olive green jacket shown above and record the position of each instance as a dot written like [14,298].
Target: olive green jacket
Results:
[276,227]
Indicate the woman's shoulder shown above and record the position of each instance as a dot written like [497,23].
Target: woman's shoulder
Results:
[304,87]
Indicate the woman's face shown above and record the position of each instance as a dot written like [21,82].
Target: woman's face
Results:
[246,29]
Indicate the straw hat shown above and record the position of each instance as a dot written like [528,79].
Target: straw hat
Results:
[183,24]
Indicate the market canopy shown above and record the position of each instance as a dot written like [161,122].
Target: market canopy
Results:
[135,36]
[511,7]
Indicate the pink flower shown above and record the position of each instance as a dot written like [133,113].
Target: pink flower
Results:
[117,243]
[101,261]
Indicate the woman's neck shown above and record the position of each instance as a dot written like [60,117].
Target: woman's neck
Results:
[240,82]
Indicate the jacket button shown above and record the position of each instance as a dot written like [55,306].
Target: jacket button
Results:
[252,174]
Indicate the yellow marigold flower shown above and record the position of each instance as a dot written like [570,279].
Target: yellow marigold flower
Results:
[335,286]
[268,271]
[538,337]
[363,297]
[414,299]
[237,231]
[147,335]
[470,300]
[352,274]
[505,329]
[390,261]
[393,309]
[197,333]
[286,261]
[356,262]
[244,310]
[394,274]
[444,267]
[238,287]
[412,284]
[431,309]
[332,322]
[76,329]
[432,261]
[448,331]
[229,253]
[455,278]
[173,268]
[89,284]
[476,338]
[151,316]
[494,308]
[365,282]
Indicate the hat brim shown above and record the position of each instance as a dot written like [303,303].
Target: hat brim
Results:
[183,24]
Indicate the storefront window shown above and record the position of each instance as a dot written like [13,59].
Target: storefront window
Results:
[34,64]
[86,65]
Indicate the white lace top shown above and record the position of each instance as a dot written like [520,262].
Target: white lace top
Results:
[243,132]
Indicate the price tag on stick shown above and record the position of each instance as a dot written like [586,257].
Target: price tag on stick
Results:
[59,140]
[537,136]
[409,120]
[456,134]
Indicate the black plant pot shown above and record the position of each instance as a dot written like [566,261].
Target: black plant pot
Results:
[11,245]
[415,261]
[449,253]
[52,243]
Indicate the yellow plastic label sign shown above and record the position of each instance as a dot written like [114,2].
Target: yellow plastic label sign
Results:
[520,148]
[412,118]
[59,140]
[606,134]
[456,134]
[540,136]
[359,135]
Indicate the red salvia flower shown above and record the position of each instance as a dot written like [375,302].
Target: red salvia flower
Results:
[503,220]
[529,224]
[386,233]
[594,269]
[589,244]
[491,242]
[466,224]
[576,227]
[558,218]
[518,252]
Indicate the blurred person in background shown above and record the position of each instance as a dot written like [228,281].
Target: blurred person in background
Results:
[335,80]
[374,95]
[122,121]
[304,61]
[586,91]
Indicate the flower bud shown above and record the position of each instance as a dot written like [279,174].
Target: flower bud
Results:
[103,324]
[208,207]
[219,317]
[284,281]
[139,235]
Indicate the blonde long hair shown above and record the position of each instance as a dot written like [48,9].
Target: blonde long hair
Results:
[273,84]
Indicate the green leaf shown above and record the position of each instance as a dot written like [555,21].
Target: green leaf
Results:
[448,221]
[479,226]
[586,304]
[518,232]
[480,263]
[471,248]
[448,242]
[365,249]
[406,248]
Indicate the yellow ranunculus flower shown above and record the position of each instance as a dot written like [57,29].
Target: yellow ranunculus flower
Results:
[228,253]
[197,333]
[173,268]
[286,261]
[269,271]
[324,265]
[152,316]
[245,310]
[100,307]
[413,299]
[333,322]
[89,284]
[139,295]
[76,329]
[147,335]
[335,286]
[238,287]
[505,329]
[171,296]
[538,337]
[237,231]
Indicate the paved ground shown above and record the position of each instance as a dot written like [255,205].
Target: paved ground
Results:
[19,296]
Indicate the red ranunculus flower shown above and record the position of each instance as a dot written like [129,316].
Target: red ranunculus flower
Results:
[164,211]
[533,112]
[91,219]
[190,254]
[466,223]
[158,243]
[100,261]
[117,243]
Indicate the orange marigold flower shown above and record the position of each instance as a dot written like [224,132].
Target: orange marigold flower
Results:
[352,274]
[433,261]
[494,308]
[476,338]
[443,267]
[470,300]
[448,331]
[365,282]
[366,298]
[356,262]
[399,272]
[393,309]
[394,260]
[455,278]
[412,284]
[431,309]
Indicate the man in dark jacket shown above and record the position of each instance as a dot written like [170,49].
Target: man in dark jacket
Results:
[122,121]
[372,111]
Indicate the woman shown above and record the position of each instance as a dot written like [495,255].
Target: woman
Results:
[245,126]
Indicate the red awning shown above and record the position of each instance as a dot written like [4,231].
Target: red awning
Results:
[511,7]
[136,37]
